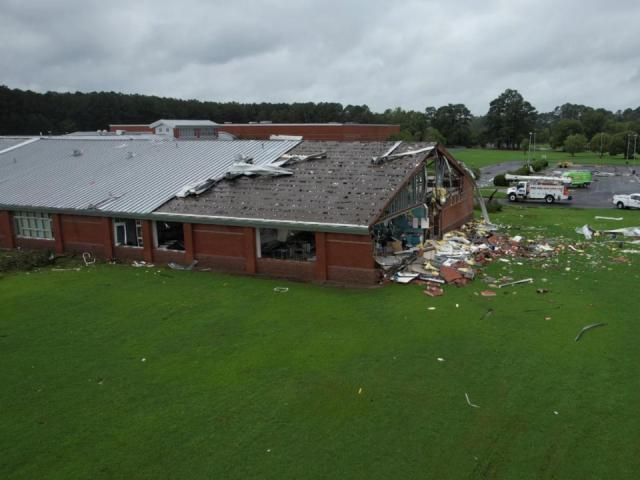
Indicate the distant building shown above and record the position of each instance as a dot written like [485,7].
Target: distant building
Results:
[206,129]
[186,129]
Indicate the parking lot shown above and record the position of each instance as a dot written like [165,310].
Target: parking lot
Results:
[608,180]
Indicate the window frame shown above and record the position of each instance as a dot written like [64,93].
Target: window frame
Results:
[33,225]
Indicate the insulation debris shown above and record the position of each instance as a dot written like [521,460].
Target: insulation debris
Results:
[456,259]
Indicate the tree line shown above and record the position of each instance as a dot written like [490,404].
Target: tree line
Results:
[509,122]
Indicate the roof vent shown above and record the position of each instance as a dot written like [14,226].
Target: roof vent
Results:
[130,155]
[77,153]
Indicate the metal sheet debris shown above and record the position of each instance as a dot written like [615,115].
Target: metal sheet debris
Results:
[587,328]
[517,282]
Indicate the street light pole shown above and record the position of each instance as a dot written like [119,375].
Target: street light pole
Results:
[534,145]
[529,152]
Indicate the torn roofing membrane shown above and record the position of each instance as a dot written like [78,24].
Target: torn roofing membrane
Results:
[119,174]
[341,186]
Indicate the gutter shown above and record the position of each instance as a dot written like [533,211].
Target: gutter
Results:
[204,219]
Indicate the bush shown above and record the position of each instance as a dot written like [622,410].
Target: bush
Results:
[523,170]
[539,165]
[500,181]
[24,260]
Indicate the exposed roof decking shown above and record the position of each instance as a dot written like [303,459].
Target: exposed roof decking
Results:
[345,188]
[117,174]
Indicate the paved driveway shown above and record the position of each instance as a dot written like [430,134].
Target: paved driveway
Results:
[607,181]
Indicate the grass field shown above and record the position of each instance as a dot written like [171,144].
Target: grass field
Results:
[480,157]
[117,372]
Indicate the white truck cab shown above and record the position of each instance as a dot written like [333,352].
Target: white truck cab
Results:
[627,201]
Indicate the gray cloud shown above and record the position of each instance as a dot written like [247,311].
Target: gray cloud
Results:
[385,54]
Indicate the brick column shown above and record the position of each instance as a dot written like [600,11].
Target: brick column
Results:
[321,257]
[147,240]
[56,229]
[189,254]
[250,249]
[107,237]
[7,235]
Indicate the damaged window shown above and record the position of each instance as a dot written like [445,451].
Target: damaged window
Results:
[412,194]
[170,235]
[401,233]
[127,232]
[284,244]
[33,225]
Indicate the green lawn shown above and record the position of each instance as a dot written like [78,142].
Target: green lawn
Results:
[117,372]
[480,157]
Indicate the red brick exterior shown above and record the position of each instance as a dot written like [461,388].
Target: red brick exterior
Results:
[337,132]
[458,210]
[83,234]
[7,237]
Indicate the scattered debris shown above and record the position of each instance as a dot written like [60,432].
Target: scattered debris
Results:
[88,258]
[360,391]
[433,290]
[517,282]
[617,219]
[585,230]
[466,395]
[587,328]
[488,293]
[142,264]
[431,308]
[487,313]
[281,289]
[627,232]
[440,359]
[177,266]
[542,290]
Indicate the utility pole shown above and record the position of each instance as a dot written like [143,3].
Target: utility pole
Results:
[628,145]
[601,144]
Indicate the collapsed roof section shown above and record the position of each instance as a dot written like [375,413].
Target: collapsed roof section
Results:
[348,184]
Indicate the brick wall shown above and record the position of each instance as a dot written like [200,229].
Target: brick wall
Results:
[340,258]
[460,210]
[6,230]
[350,259]
[290,269]
[79,234]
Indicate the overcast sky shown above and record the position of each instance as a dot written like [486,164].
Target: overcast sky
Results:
[411,54]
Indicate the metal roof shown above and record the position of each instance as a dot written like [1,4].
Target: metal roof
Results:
[116,174]
[10,143]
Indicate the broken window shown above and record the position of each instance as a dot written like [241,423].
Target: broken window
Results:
[285,244]
[412,194]
[127,232]
[33,225]
[170,235]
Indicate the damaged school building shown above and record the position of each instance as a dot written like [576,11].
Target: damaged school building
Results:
[291,208]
